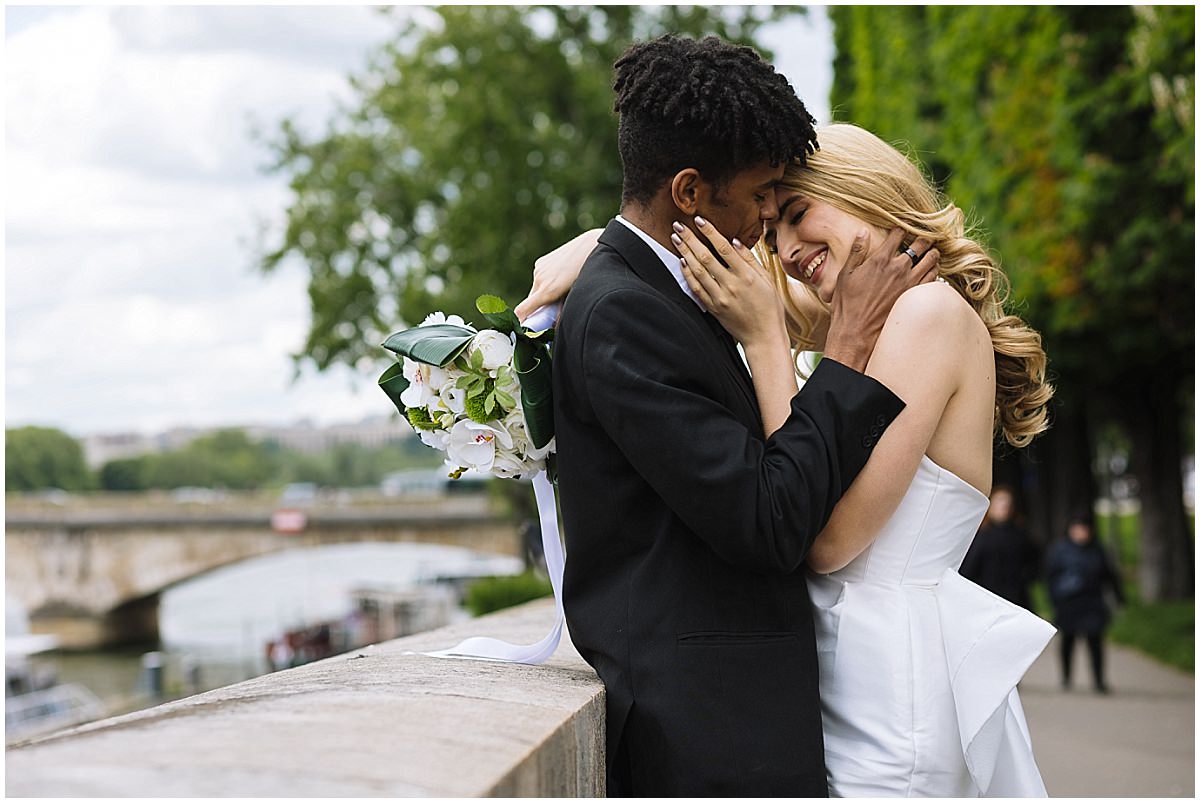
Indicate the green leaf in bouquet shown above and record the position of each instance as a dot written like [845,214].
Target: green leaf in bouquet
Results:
[465,381]
[477,411]
[437,344]
[489,403]
[393,383]
[505,399]
[477,360]
[490,305]
[420,419]
[545,336]
[532,361]
[498,315]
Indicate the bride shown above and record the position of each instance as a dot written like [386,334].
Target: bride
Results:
[918,666]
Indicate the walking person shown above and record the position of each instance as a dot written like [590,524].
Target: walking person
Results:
[1002,558]
[1078,572]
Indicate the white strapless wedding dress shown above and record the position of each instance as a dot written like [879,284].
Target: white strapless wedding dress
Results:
[919,666]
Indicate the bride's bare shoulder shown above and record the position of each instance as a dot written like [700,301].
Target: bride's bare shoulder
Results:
[931,330]
[931,307]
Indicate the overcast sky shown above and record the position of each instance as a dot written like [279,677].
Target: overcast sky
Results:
[134,189]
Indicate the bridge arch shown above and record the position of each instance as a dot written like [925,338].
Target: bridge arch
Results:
[96,579]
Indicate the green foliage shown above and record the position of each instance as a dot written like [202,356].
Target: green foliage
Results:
[125,474]
[350,465]
[1163,630]
[479,139]
[477,409]
[36,458]
[495,593]
[1119,533]
[224,459]
[1069,133]
[419,418]
[231,460]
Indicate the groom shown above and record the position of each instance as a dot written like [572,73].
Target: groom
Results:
[686,531]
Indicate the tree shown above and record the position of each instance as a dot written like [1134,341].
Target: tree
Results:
[125,474]
[1069,132]
[481,138]
[225,459]
[37,458]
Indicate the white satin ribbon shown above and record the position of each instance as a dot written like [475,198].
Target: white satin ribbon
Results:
[543,317]
[492,649]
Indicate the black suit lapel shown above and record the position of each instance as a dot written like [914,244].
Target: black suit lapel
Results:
[646,264]
[731,346]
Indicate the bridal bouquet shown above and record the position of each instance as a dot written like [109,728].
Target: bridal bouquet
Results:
[482,397]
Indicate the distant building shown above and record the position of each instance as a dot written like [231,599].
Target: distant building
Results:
[100,449]
[372,432]
[303,436]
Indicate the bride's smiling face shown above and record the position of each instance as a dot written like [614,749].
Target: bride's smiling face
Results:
[813,239]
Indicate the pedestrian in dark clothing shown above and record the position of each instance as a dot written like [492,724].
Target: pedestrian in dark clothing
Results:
[1077,573]
[1002,558]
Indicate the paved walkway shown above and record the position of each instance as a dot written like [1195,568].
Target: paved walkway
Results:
[1137,742]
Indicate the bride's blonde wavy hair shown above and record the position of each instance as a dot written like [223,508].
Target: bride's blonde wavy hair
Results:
[863,176]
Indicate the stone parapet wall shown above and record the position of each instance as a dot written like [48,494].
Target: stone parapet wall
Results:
[379,721]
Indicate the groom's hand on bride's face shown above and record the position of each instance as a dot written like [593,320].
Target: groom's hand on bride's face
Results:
[868,286]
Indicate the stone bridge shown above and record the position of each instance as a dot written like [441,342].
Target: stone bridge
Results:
[93,575]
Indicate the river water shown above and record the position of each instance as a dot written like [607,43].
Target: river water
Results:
[223,620]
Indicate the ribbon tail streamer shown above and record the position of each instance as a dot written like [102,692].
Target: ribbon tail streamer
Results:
[493,649]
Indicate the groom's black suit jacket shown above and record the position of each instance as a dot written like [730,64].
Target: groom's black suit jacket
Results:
[686,532]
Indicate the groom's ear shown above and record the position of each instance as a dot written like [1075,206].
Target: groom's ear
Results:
[686,190]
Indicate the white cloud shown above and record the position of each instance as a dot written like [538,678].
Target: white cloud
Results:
[329,37]
[79,92]
[133,189]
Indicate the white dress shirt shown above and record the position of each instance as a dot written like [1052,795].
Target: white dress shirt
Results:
[668,259]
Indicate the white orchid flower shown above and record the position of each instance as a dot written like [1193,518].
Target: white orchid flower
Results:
[455,399]
[474,445]
[440,317]
[507,467]
[437,378]
[418,393]
[437,438]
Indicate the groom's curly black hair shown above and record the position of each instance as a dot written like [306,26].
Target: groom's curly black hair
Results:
[706,104]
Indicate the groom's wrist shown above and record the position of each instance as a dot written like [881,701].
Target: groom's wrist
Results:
[851,351]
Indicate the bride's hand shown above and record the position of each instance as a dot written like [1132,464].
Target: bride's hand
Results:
[555,272]
[740,293]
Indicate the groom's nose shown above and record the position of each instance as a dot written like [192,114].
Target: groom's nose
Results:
[768,209]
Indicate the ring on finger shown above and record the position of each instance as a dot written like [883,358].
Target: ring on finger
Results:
[911,254]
